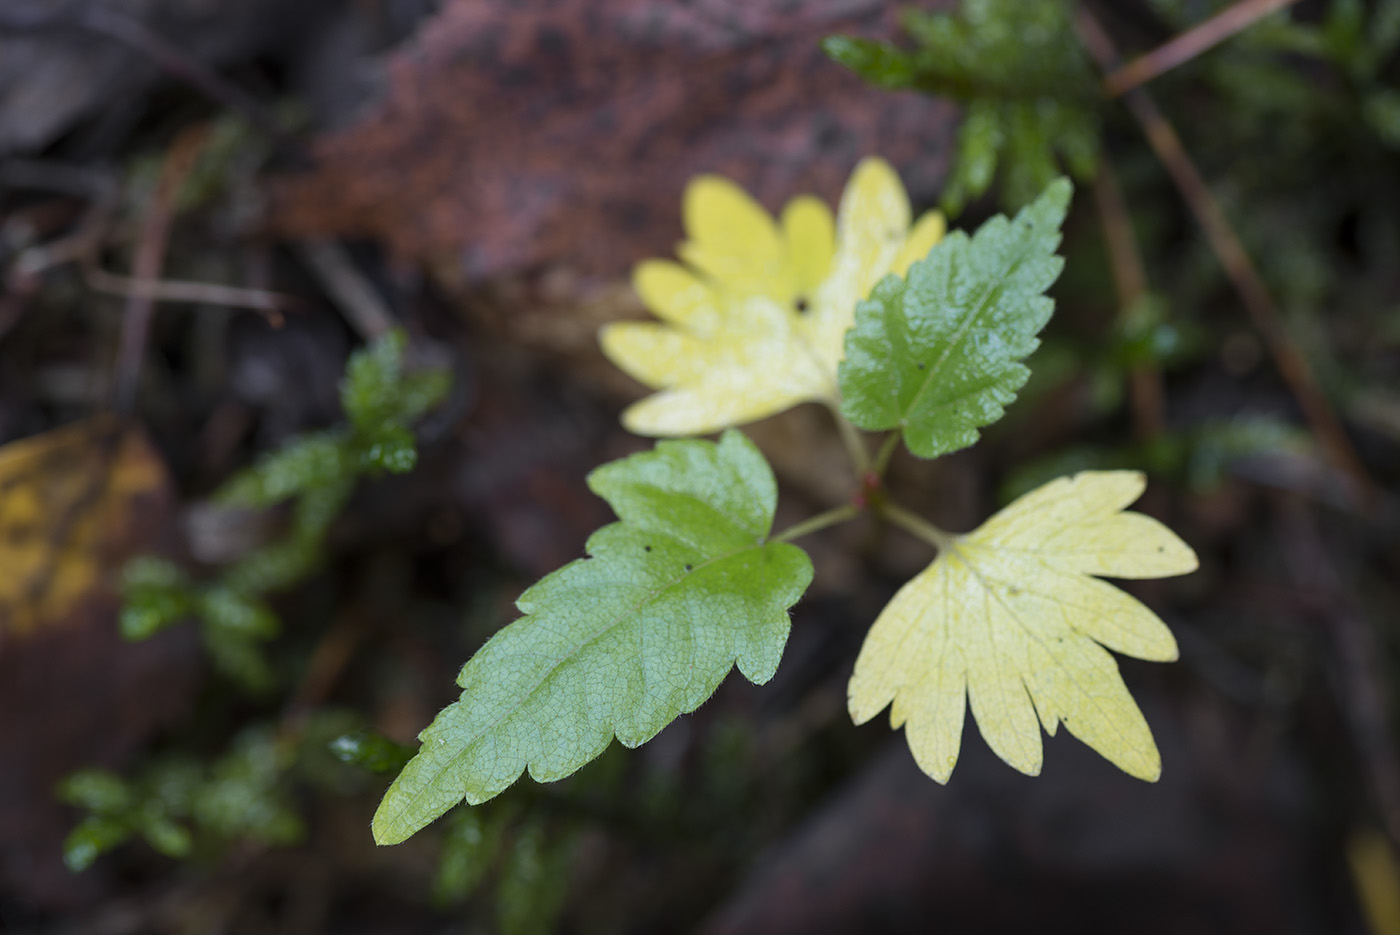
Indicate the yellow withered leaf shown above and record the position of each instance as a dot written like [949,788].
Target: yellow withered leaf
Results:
[70,499]
[753,323]
[1009,619]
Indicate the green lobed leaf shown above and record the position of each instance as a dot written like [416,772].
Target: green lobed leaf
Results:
[621,643]
[937,354]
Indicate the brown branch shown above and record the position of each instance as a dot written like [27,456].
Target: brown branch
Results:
[1190,44]
[1225,243]
[1130,282]
[1361,685]
[350,290]
[150,257]
[111,24]
[174,61]
[271,304]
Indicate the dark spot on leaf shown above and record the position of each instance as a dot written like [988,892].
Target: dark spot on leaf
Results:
[687,568]
[647,547]
[921,365]
[801,303]
[1161,548]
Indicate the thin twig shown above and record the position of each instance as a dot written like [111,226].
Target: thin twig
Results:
[1190,44]
[351,291]
[173,60]
[1292,365]
[150,257]
[271,304]
[102,20]
[332,654]
[23,278]
[1130,281]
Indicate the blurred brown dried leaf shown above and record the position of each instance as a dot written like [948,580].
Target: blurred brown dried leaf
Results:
[73,501]
[513,137]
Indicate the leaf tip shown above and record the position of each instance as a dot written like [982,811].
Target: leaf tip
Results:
[387,830]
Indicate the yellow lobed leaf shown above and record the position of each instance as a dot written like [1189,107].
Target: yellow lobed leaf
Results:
[754,322]
[69,500]
[1009,619]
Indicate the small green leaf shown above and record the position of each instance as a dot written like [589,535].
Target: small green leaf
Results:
[244,797]
[238,656]
[236,612]
[937,354]
[302,464]
[534,883]
[880,63]
[622,642]
[371,382]
[96,790]
[167,837]
[157,594]
[373,752]
[1030,92]
[980,139]
[392,450]
[469,850]
[93,836]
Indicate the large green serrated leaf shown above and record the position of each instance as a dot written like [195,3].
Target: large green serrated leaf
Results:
[624,641]
[937,354]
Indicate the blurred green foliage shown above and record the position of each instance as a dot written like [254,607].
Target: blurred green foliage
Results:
[371,751]
[1016,66]
[526,860]
[1197,458]
[174,803]
[317,473]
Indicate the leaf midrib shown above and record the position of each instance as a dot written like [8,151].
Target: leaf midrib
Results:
[462,751]
[594,637]
[992,294]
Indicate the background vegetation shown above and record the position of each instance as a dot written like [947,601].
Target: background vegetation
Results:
[241,243]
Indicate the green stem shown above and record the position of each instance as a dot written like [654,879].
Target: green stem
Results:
[916,525]
[887,449]
[855,444]
[831,517]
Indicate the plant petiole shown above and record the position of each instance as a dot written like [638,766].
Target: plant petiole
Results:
[832,517]
[887,449]
[853,441]
[916,526]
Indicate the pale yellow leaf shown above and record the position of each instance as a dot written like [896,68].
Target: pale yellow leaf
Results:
[1009,620]
[1376,873]
[754,322]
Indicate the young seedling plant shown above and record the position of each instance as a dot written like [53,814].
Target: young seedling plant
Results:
[895,328]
